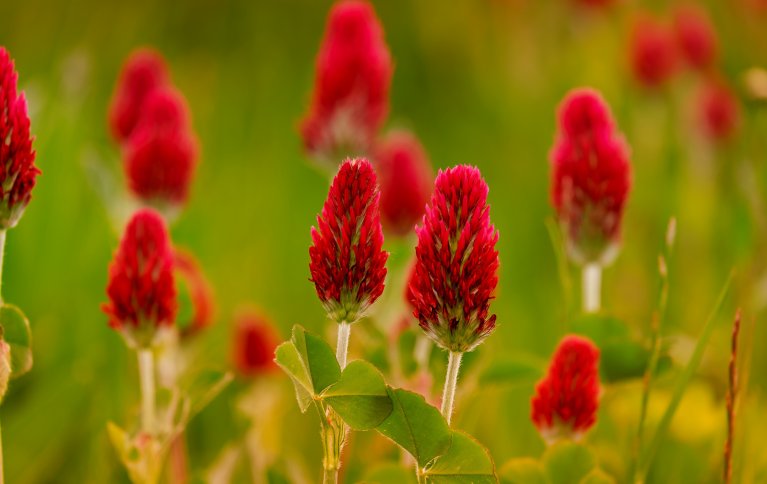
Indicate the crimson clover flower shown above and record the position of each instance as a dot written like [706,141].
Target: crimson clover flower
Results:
[143,72]
[142,295]
[161,153]
[590,177]
[351,87]
[347,262]
[405,178]
[718,111]
[456,270]
[695,37]
[18,172]
[566,400]
[254,343]
[652,51]
[199,291]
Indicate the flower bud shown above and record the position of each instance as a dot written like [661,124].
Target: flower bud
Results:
[406,180]
[161,154]
[695,37]
[351,88]
[456,269]
[254,343]
[18,172]
[652,52]
[566,400]
[141,290]
[199,290]
[590,177]
[347,262]
[143,72]
[718,111]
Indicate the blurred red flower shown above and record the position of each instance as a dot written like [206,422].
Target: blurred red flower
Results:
[456,268]
[566,400]
[253,345]
[652,51]
[351,87]
[590,177]
[143,72]
[200,291]
[718,111]
[405,178]
[347,262]
[161,154]
[695,36]
[17,158]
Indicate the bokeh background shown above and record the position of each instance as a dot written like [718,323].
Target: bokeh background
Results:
[478,81]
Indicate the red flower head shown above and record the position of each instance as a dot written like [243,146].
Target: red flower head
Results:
[351,87]
[566,399]
[142,73]
[17,158]
[405,177]
[653,56]
[718,111]
[456,268]
[695,37]
[590,177]
[142,295]
[254,343]
[161,154]
[347,262]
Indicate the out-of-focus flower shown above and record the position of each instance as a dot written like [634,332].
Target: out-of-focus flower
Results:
[17,158]
[695,36]
[456,268]
[405,178]
[718,111]
[5,366]
[142,295]
[652,51]
[755,83]
[347,262]
[161,154]
[595,4]
[200,291]
[351,88]
[566,400]
[590,177]
[253,345]
[143,72]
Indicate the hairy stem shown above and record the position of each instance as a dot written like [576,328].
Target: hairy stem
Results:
[146,376]
[451,381]
[342,347]
[2,254]
[333,435]
[732,395]
[592,287]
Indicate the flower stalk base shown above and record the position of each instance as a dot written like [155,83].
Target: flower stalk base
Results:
[146,376]
[451,381]
[592,288]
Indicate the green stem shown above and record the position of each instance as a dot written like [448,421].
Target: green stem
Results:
[2,254]
[342,346]
[146,376]
[333,433]
[451,381]
[2,479]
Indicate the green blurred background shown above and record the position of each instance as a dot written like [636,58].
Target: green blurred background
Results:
[478,81]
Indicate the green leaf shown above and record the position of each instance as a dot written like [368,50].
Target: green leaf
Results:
[567,462]
[597,476]
[514,370]
[390,474]
[466,461]
[359,397]
[523,470]
[416,426]
[310,363]
[16,332]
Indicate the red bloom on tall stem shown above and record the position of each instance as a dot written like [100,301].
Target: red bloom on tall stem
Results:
[590,177]
[718,111]
[143,72]
[652,52]
[695,37]
[566,400]
[254,343]
[142,295]
[161,154]
[347,262]
[405,178]
[17,158]
[351,88]
[456,269]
